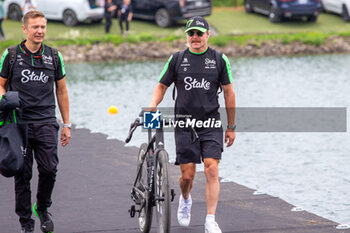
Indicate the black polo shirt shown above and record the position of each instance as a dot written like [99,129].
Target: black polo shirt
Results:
[197,80]
[34,77]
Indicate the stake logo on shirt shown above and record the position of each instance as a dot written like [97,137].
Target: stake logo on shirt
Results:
[47,59]
[193,83]
[28,75]
[210,64]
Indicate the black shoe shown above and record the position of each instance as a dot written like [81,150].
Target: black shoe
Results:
[46,223]
[28,226]
[26,230]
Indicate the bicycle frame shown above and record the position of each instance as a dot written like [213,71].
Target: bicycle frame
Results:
[155,145]
[155,191]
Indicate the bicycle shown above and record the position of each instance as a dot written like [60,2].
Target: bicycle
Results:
[151,186]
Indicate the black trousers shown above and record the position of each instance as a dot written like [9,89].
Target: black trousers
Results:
[121,20]
[108,24]
[42,145]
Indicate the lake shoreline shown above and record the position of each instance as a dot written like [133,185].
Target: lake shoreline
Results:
[107,52]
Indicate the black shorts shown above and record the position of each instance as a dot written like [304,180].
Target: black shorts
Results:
[208,145]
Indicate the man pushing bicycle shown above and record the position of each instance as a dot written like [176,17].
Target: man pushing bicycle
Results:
[198,73]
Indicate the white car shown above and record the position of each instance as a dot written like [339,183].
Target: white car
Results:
[340,7]
[71,12]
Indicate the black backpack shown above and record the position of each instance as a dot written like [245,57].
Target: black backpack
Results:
[13,51]
[179,57]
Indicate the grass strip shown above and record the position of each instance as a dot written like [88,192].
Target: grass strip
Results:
[228,2]
[309,38]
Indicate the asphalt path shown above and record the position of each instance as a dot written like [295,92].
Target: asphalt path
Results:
[92,195]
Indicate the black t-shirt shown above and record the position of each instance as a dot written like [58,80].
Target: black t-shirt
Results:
[197,80]
[108,14]
[34,77]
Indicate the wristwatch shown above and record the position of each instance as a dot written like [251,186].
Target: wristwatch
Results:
[233,127]
[67,125]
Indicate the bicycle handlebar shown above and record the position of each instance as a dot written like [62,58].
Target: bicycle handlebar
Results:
[133,127]
[136,123]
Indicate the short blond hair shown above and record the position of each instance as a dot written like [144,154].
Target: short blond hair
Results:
[32,15]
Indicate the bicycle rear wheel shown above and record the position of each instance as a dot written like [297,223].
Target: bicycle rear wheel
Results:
[146,210]
[162,190]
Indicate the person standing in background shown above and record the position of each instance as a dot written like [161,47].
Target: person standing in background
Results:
[28,5]
[109,10]
[2,17]
[125,15]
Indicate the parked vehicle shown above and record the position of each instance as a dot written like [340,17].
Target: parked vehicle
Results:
[277,10]
[71,12]
[166,12]
[340,7]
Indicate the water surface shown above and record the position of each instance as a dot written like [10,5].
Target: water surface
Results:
[311,170]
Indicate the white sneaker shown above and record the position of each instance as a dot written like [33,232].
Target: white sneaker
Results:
[184,211]
[212,227]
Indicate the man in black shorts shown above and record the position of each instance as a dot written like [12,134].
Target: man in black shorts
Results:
[198,72]
[36,71]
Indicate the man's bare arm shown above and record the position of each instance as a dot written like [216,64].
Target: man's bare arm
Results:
[230,102]
[63,104]
[158,95]
[3,82]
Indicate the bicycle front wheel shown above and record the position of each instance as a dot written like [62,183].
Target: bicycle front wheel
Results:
[146,209]
[162,190]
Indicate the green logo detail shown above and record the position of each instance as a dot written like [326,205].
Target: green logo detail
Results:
[189,22]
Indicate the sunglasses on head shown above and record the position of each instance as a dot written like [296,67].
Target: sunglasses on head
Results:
[192,32]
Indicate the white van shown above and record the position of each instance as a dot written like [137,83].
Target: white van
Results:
[71,12]
[340,7]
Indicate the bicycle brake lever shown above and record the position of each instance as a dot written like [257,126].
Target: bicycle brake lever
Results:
[141,113]
[127,140]
[133,126]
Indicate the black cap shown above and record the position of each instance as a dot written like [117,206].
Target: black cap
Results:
[198,23]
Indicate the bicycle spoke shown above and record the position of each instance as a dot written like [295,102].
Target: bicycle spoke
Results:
[162,193]
[145,212]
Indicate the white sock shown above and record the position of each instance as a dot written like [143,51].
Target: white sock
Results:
[186,200]
[210,218]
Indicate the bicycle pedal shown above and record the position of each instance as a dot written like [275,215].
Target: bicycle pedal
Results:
[173,194]
[132,211]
